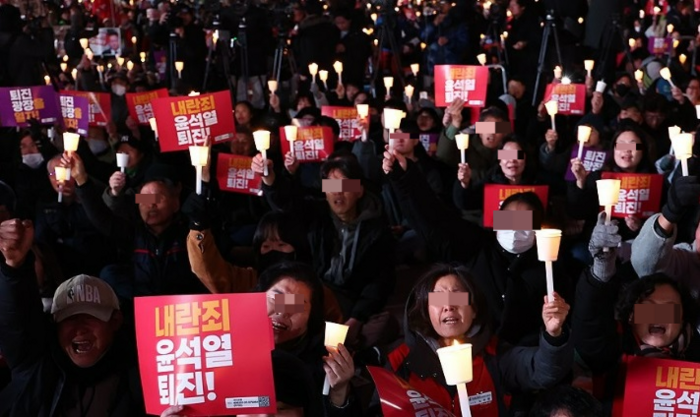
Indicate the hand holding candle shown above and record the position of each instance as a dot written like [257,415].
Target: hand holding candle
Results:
[392,121]
[456,363]
[122,161]
[313,70]
[408,90]
[272,85]
[323,76]
[481,58]
[338,67]
[639,75]
[262,143]
[584,133]
[557,73]
[462,140]
[290,132]
[683,148]
[62,175]
[548,241]
[362,113]
[552,108]
[70,142]
[200,158]
[608,196]
[179,66]
[388,83]
[84,43]
[414,69]
[335,335]
[588,64]
[666,75]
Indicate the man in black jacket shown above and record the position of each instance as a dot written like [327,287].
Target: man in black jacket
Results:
[82,363]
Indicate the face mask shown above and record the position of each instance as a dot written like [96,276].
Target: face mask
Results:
[516,241]
[622,89]
[32,160]
[97,146]
[273,257]
[119,89]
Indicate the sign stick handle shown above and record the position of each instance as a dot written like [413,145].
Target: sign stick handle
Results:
[684,167]
[608,217]
[264,155]
[198,168]
[326,386]
[464,156]
[464,400]
[580,150]
[550,280]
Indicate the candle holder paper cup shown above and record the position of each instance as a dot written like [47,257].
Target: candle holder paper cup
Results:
[683,145]
[335,334]
[608,192]
[122,160]
[70,141]
[456,362]
[290,132]
[600,87]
[548,241]
[462,140]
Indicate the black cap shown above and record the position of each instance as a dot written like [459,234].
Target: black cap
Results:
[129,139]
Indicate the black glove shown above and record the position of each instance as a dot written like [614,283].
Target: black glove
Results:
[195,208]
[684,193]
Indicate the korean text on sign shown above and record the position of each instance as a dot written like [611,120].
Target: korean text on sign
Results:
[140,106]
[495,194]
[346,117]
[570,97]
[640,194]
[313,144]
[592,159]
[465,82]
[668,401]
[461,82]
[71,115]
[25,105]
[234,173]
[193,119]
[190,347]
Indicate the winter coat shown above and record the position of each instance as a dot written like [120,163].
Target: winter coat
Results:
[355,260]
[457,46]
[44,380]
[513,285]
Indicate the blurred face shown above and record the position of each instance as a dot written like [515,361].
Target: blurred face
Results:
[516,89]
[343,204]
[693,91]
[351,91]
[361,98]
[342,23]
[160,213]
[298,15]
[27,146]
[405,146]
[85,339]
[659,334]
[654,119]
[67,187]
[289,323]
[242,144]
[492,140]
[274,243]
[512,168]
[303,103]
[515,8]
[425,122]
[243,114]
[135,155]
[594,138]
[627,159]
[450,322]
[114,42]
[632,113]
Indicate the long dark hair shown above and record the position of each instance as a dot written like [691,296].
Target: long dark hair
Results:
[287,229]
[417,306]
[303,273]
[645,164]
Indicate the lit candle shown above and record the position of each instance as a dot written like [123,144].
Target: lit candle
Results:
[392,121]
[70,142]
[682,59]
[481,58]
[632,43]
[362,113]
[143,57]
[154,126]
[548,241]
[62,175]
[600,87]
[179,66]
[47,80]
[323,76]
[456,363]
[666,75]
[414,69]
[552,108]
[313,70]
[84,43]
[122,161]
[608,196]
[584,133]
[588,64]
[566,80]
[200,158]
[639,75]
[290,132]
[373,16]
[641,14]
[557,72]
[193,93]
[657,10]
[505,35]
[121,59]
[89,54]
[262,143]
[683,148]
[676,42]
[669,28]
[65,58]
[697,110]
[462,140]
[74,73]
[338,67]
[133,40]
[129,65]
[272,85]
[388,83]
[64,66]
[408,90]
[335,335]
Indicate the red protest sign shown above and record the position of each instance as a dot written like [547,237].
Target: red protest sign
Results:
[234,174]
[571,97]
[100,105]
[400,399]
[461,81]
[660,387]
[640,194]
[346,117]
[194,349]
[313,144]
[495,194]
[140,106]
[186,121]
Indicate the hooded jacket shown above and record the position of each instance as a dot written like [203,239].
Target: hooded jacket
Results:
[44,381]
[513,285]
[355,260]
[497,368]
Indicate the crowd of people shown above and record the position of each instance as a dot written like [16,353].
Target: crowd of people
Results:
[375,235]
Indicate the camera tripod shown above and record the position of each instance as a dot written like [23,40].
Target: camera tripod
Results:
[386,36]
[614,31]
[550,28]
[222,46]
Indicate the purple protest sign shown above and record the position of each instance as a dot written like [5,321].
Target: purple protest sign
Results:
[429,142]
[593,160]
[18,105]
[659,46]
[76,113]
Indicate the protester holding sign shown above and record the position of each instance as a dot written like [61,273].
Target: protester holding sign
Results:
[81,363]
[504,264]
[435,317]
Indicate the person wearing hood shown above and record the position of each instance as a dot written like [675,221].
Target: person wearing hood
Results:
[119,86]
[315,39]
[31,183]
[352,245]
[504,263]
[83,362]
[446,306]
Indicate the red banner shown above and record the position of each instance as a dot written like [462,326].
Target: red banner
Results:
[496,194]
[210,353]
[234,174]
[186,121]
[313,144]
[100,106]
[640,194]
[461,81]
[140,104]
[400,399]
[571,97]
[346,117]
[660,387]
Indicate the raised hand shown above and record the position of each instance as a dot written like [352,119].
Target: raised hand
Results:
[16,238]
[117,182]
[464,175]
[554,315]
